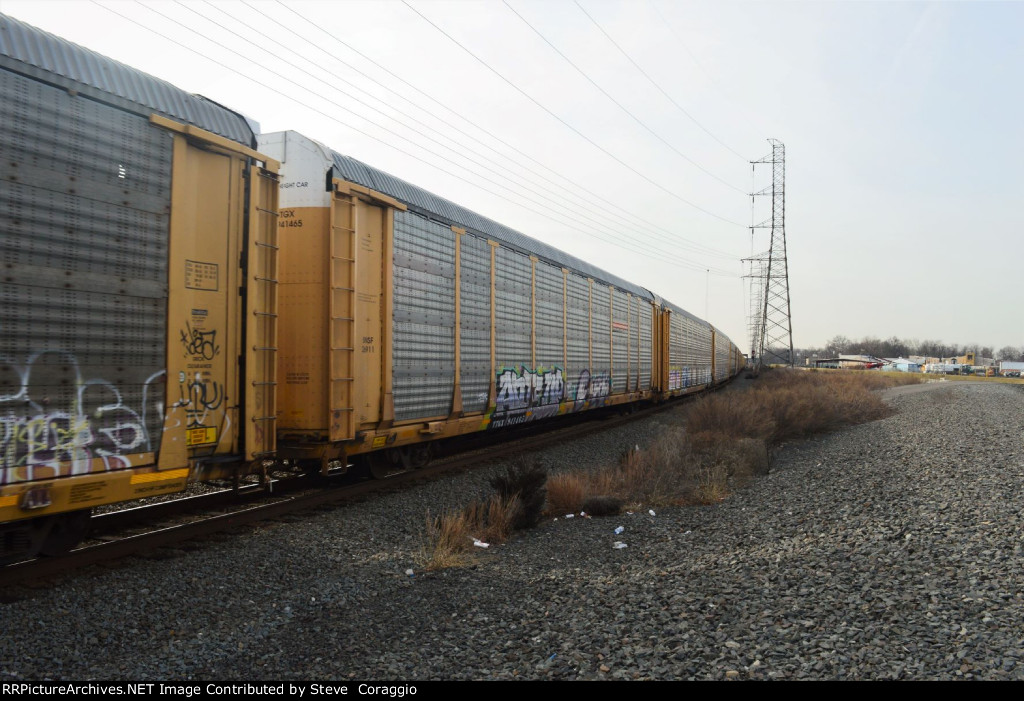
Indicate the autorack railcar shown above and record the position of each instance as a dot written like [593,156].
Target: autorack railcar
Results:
[406,318]
[137,302]
[163,320]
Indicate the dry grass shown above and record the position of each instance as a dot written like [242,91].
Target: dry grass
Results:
[445,544]
[450,537]
[712,484]
[566,493]
[728,439]
[725,441]
[788,404]
[491,520]
[731,414]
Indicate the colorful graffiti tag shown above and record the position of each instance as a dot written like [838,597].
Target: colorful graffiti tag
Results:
[526,395]
[54,422]
[591,390]
[523,395]
[681,378]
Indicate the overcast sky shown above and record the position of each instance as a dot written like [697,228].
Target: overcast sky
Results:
[622,133]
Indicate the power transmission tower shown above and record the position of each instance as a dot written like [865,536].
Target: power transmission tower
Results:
[757,270]
[772,339]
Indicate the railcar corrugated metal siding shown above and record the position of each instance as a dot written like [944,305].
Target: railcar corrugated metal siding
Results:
[424,317]
[475,304]
[689,352]
[600,340]
[85,198]
[550,316]
[437,207]
[513,278]
[723,357]
[646,321]
[620,341]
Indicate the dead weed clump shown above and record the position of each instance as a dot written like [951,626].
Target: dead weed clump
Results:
[491,520]
[712,483]
[446,542]
[526,482]
[730,414]
[455,538]
[566,492]
[802,404]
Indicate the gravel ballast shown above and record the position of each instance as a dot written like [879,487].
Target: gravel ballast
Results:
[887,550]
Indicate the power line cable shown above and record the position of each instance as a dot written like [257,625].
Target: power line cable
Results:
[570,126]
[635,246]
[390,131]
[693,57]
[598,201]
[654,83]
[459,152]
[622,107]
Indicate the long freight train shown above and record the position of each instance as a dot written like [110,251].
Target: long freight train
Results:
[186,299]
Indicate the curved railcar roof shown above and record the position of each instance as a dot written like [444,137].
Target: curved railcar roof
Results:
[41,55]
[435,207]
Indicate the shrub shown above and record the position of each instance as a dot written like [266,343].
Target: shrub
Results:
[525,483]
[450,537]
[446,542]
[491,520]
[565,493]
[712,483]
[728,439]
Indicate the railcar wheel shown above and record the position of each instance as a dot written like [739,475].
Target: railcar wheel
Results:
[395,461]
[419,455]
[67,531]
[385,463]
[21,540]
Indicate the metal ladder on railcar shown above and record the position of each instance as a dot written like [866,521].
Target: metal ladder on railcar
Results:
[342,314]
[263,259]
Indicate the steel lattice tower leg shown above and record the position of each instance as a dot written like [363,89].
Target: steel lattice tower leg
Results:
[757,267]
[774,341]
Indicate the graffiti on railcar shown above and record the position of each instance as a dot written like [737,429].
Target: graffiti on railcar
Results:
[199,344]
[592,390]
[54,422]
[684,377]
[200,395]
[526,395]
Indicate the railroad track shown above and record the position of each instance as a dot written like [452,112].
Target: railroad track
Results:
[115,535]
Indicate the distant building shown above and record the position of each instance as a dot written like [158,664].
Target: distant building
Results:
[901,365]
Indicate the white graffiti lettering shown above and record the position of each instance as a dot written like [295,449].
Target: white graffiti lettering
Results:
[55,423]
[591,390]
[527,395]
[528,388]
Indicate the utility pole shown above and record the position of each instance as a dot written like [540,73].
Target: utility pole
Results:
[771,325]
